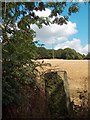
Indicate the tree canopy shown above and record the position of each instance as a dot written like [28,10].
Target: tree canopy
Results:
[18,47]
[66,53]
[88,56]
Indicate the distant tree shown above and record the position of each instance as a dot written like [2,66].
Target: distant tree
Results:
[79,56]
[50,53]
[66,53]
[42,53]
[69,53]
[83,55]
[58,53]
[88,56]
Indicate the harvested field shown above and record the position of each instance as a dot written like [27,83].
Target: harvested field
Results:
[77,74]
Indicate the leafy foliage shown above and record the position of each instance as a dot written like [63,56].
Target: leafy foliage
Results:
[88,56]
[71,54]
[18,47]
[18,67]
[56,96]
[66,53]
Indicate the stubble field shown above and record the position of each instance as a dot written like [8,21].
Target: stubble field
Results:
[77,74]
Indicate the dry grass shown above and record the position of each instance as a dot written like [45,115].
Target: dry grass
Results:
[77,73]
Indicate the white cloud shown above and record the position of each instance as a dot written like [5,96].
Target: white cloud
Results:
[74,44]
[44,13]
[54,33]
[80,0]
[58,35]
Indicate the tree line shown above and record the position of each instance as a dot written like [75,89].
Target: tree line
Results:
[66,53]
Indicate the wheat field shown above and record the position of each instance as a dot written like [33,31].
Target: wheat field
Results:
[77,74]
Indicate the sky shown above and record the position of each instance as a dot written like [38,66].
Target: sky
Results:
[73,35]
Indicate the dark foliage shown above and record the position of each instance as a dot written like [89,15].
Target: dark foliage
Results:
[66,53]
[88,56]
[19,50]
